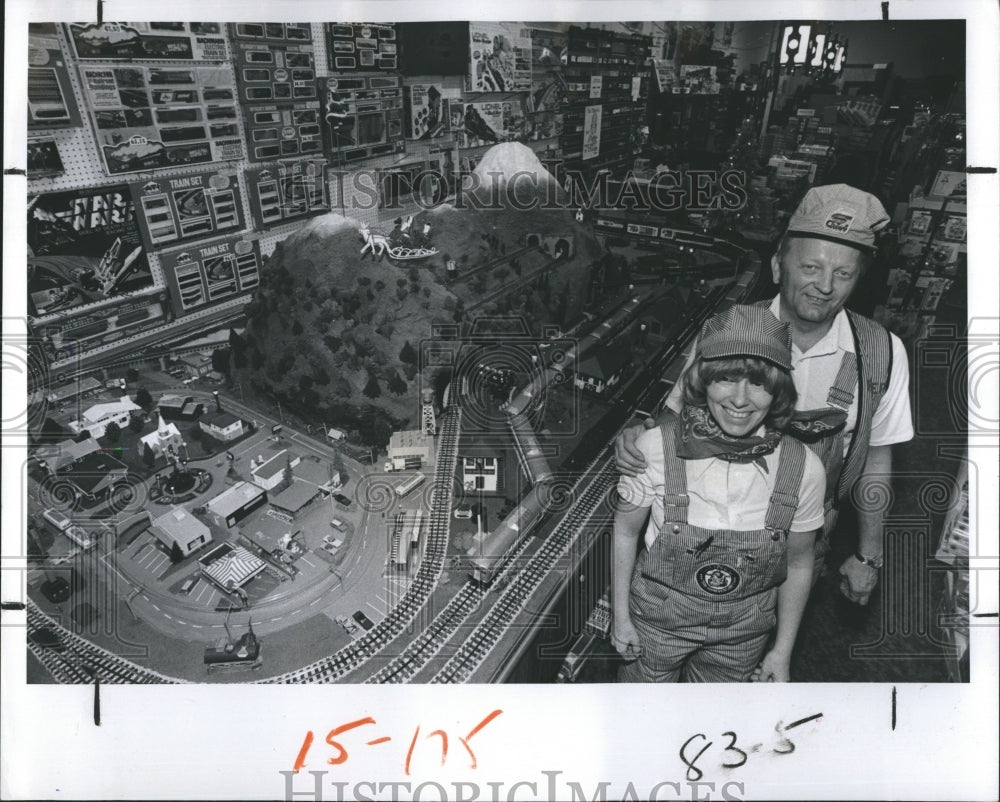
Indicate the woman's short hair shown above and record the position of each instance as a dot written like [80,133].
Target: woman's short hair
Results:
[777,381]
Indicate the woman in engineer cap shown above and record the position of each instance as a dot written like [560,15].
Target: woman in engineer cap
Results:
[730,507]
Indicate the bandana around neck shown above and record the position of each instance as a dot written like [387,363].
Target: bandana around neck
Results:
[700,437]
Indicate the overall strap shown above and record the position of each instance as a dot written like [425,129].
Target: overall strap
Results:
[873,346]
[842,392]
[675,495]
[785,496]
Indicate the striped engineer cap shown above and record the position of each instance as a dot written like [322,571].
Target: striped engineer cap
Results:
[747,331]
[842,213]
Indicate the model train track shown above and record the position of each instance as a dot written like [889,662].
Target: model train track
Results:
[221,315]
[421,651]
[529,576]
[464,663]
[72,659]
[357,653]
[500,260]
[509,289]
[451,618]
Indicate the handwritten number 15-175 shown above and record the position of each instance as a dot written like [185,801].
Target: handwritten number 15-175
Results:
[341,755]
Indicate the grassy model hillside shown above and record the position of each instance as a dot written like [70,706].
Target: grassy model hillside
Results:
[336,336]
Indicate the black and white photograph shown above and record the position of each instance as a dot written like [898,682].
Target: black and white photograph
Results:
[664,372]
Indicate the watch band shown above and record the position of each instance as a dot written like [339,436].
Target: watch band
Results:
[871,562]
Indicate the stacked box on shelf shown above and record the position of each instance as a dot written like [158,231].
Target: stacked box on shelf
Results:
[499,57]
[606,95]
[487,122]
[276,76]
[428,109]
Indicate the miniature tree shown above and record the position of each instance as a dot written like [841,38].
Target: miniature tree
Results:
[143,398]
[396,384]
[296,328]
[112,432]
[176,555]
[220,360]
[148,457]
[342,388]
[407,355]
[372,389]
[135,423]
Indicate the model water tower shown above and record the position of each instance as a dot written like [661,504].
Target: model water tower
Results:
[428,423]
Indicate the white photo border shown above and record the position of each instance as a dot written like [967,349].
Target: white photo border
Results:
[234,741]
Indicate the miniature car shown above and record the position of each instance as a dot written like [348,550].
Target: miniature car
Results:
[332,542]
[463,512]
[364,620]
[189,584]
[340,498]
[336,523]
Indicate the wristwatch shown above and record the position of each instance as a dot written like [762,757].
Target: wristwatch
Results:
[871,562]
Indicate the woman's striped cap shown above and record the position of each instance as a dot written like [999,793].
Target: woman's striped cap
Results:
[747,331]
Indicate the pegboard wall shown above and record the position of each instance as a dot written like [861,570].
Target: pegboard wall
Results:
[83,168]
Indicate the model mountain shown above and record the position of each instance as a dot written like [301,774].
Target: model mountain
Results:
[511,159]
[512,174]
[335,335]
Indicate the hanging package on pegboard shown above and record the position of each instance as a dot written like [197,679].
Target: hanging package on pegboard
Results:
[276,77]
[50,94]
[361,46]
[159,41]
[175,209]
[83,247]
[286,191]
[212,271]
[362,115]
[148,118]
[44,160]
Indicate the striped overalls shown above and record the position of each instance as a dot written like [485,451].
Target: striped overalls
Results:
[704,601]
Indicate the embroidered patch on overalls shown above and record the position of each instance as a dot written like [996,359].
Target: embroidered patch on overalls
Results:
[717,579]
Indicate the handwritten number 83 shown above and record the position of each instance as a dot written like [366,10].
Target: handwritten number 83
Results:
[735,757]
